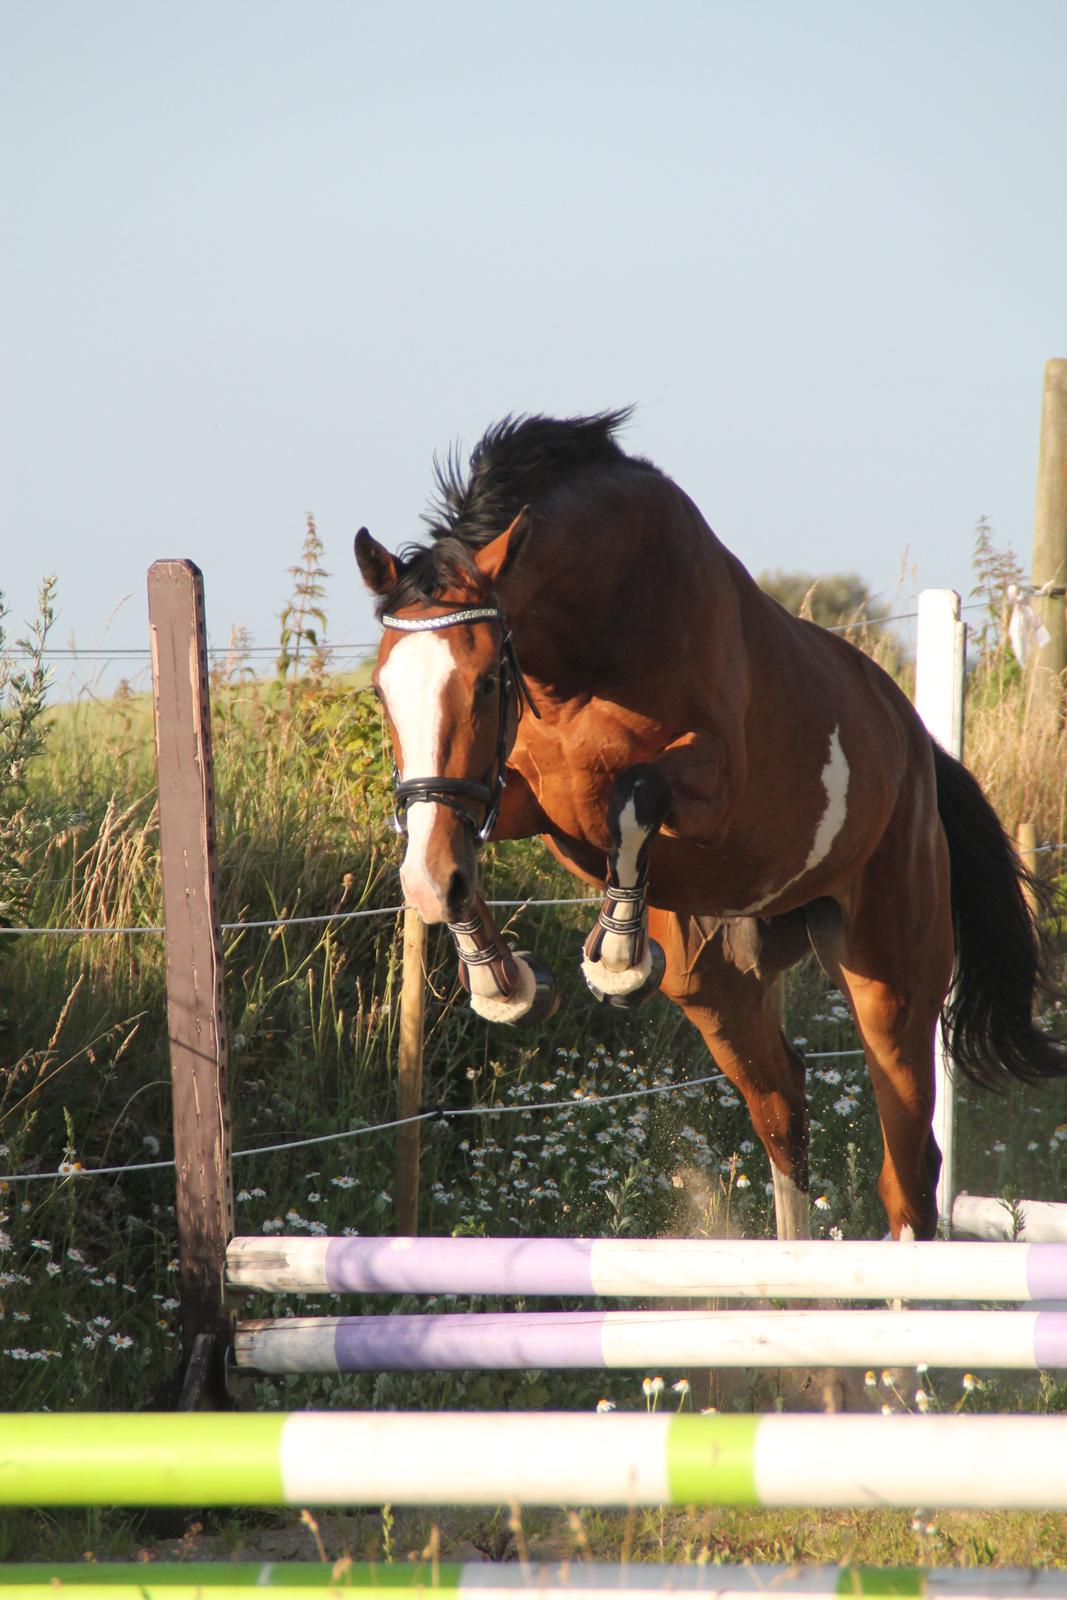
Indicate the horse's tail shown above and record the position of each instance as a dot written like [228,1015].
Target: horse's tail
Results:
[1003,965]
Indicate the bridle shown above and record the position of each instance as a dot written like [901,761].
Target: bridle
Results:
[452,791]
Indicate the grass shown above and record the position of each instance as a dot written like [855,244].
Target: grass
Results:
[88,1267]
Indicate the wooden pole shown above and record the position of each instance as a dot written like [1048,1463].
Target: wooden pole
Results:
[409,1071]
[1049,560]
[195,1013]
[1026,842]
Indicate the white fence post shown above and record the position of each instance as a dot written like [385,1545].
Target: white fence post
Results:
[939,671]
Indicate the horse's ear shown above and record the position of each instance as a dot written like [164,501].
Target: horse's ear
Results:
[375,563]
[500,556]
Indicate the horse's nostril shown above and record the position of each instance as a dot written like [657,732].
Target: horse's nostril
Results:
[459,892]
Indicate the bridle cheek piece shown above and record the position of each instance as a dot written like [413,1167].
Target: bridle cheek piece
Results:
[451,792]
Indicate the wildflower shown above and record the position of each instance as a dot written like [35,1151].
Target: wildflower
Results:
[922,1400]
[20,1316]
[20,1353]
[821,1204]
[887,1379]
[98,1322]
[41,1244]
[121,1341]
[273,1225]
[742,1181]
[258,1194]
[53,1268]
[968,1383]
[835,1233]
[605,1405]
[870,1380]
[241,1196]
[656,1386]
[887,1411]
[921,1367]
[6,1241]
[345,1182]
[66,1168]
[846,1105]
[681,1387]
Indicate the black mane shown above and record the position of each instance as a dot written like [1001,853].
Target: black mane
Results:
[516,460]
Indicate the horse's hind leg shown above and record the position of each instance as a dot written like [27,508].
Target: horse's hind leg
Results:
[896,963]
[725,986]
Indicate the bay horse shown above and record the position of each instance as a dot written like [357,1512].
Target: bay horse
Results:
[574,654]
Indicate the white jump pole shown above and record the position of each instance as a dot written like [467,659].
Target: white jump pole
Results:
[721,1269]
[487,1341]
[939,674]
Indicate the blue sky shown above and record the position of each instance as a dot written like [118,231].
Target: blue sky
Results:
[264,259]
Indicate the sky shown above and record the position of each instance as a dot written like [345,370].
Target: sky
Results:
[263,259]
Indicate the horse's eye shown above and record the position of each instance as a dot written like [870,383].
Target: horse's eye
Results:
[488,683]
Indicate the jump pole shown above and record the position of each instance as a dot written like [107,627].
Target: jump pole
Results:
[482,1580]
[683,1268]
[940,655]
[465,1458]
[553,1341]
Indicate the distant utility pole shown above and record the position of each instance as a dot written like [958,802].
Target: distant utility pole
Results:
[1049,563]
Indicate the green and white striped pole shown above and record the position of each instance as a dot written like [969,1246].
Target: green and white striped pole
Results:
[466,1458]
[551,1581]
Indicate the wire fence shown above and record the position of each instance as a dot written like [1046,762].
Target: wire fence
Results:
[73,1170]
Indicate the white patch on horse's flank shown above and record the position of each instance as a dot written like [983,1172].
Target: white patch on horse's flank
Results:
[413,683]
[834,777]
[835,782]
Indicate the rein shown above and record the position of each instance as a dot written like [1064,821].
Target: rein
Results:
[449,792]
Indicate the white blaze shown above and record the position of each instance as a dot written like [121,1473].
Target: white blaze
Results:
[413,684]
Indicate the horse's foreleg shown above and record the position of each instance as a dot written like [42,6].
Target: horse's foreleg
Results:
[620,963]
[684,790]
[504,985]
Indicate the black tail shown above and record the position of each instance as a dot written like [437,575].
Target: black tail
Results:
[1003,967]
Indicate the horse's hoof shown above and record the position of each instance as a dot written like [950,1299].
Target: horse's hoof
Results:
[627,999]
[536,997]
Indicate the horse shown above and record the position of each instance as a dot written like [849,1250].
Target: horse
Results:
[574,654]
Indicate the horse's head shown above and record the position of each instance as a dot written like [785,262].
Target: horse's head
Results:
[451,694]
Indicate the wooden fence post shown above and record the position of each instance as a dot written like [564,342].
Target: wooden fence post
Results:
[940,655]
[1026,843]
[196,1017]
[1049,558]
[409,1072]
